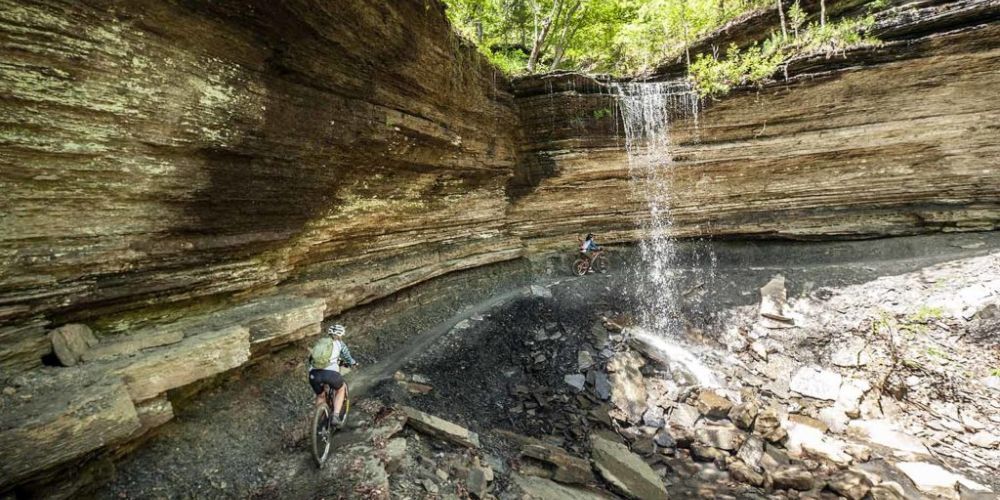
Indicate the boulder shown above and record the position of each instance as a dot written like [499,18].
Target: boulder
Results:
[564,467]
[816,382]
[773,299]
[793,478]
[774,459]
[743,473]
[751,452]
[544,489]
[935,480]
[834,418]
[713,405]
[744,414]
[395,453]
[584,360]
[806,420]
[852,485]
[71,342]
[768,425]
[722,436]
[887,490]
[809,440]
[885,433]
[440,428]
[74,416]
[653,417]
[602,386]
[684,416]
[576,380]
[476,482]
[681,423]
[628,390]
[703,453]
[624,470]
[663,439]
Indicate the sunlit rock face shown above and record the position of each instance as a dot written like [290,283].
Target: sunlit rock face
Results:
[897,140]
[156,153]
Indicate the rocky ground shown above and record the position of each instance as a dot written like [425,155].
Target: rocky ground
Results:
[823,385]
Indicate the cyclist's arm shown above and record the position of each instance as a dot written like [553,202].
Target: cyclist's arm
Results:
[345,356]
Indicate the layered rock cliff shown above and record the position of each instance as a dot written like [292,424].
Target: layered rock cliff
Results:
[893,140]
[162,153]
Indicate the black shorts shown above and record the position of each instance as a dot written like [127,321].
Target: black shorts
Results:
[319,377]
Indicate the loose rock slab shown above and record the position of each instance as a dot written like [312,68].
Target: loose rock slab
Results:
[129,344]
[440,428]
[935,480]
[816,383]
[544,489]
[625,470]
[193,359]
[565,467]
[60,425]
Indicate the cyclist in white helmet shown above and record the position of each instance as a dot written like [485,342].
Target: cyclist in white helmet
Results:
[324,366]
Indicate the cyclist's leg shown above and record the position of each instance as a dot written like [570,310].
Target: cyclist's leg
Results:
[336,382]
[316,382]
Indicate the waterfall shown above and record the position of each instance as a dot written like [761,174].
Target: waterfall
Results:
[646,111]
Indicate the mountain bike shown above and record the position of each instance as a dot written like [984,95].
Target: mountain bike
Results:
[598,262]
[322,430]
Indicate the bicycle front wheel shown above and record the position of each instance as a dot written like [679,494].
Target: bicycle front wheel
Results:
[601,264]
[321,434]
[580,267]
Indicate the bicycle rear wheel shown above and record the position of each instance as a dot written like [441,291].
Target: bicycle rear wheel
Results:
[580,267]
[321,433]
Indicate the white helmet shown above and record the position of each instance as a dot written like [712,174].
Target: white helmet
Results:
[337,330]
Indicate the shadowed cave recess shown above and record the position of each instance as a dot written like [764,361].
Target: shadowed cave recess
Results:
[801,297]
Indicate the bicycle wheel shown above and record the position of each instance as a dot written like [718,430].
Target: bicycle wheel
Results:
[580,267]
[346,408]
[601,264]
[321,434]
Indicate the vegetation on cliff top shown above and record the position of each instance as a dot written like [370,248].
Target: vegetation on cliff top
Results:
[624,37]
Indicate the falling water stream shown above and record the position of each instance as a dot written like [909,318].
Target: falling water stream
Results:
[647,110]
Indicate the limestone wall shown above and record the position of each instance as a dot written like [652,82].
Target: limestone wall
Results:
[159,154]
[888,141]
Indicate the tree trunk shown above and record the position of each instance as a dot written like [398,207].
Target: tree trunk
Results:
[541,34]
[822,12]
[781,14]
[566,35]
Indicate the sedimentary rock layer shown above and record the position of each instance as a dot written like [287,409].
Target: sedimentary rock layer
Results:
[154,153]
[895,140]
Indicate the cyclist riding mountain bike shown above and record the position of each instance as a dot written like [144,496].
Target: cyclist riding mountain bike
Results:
[588,246]
[324,367]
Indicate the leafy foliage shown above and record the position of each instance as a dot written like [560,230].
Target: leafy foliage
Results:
[610,36]
[630,36]
[714,76]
